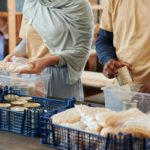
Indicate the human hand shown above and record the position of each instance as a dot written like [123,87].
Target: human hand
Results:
[145,88]
[9,57]
[32,67]
[110,69]
[38,64]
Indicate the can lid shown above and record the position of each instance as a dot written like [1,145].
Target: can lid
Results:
[129,104]
[19,102]
[4,105]
[23,98]
[18,108]
[32,105]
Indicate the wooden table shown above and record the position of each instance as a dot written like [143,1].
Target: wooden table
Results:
[95,79]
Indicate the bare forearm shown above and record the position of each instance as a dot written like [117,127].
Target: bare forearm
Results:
[41,63]
[51,60]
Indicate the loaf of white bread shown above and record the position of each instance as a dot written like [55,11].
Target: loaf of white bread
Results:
[14,67]
[88,116]
[104,121]
[65,117]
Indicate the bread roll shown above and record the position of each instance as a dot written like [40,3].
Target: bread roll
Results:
[88,116]
[11,67]
[139,126]
[138,131]
[27,67]
[68,116]
[92,124]
[14,66]
[84,110]
[103,116]
[119,118]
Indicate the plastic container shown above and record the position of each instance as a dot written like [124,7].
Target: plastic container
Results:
[115,96]
[28,84]
[65,138]
[28,122]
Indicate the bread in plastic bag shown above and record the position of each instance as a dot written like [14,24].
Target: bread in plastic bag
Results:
[119,118]
[68,116]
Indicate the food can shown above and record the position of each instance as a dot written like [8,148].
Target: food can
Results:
[124,76]
[129,104]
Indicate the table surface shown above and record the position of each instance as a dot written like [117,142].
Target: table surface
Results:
[11,141]
[95,79]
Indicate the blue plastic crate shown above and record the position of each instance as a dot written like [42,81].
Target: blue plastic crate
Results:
[65,138]
[28,122]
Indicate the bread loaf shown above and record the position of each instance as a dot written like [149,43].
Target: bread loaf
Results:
[138,131]
[119,118]
[139,126]
[92,124]
[84,110]
[14,66]
[68,116]
[102,117]
[26,67]
[88,116]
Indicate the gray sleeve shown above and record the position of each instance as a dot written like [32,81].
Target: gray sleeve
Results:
[61,62]
[21,47]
